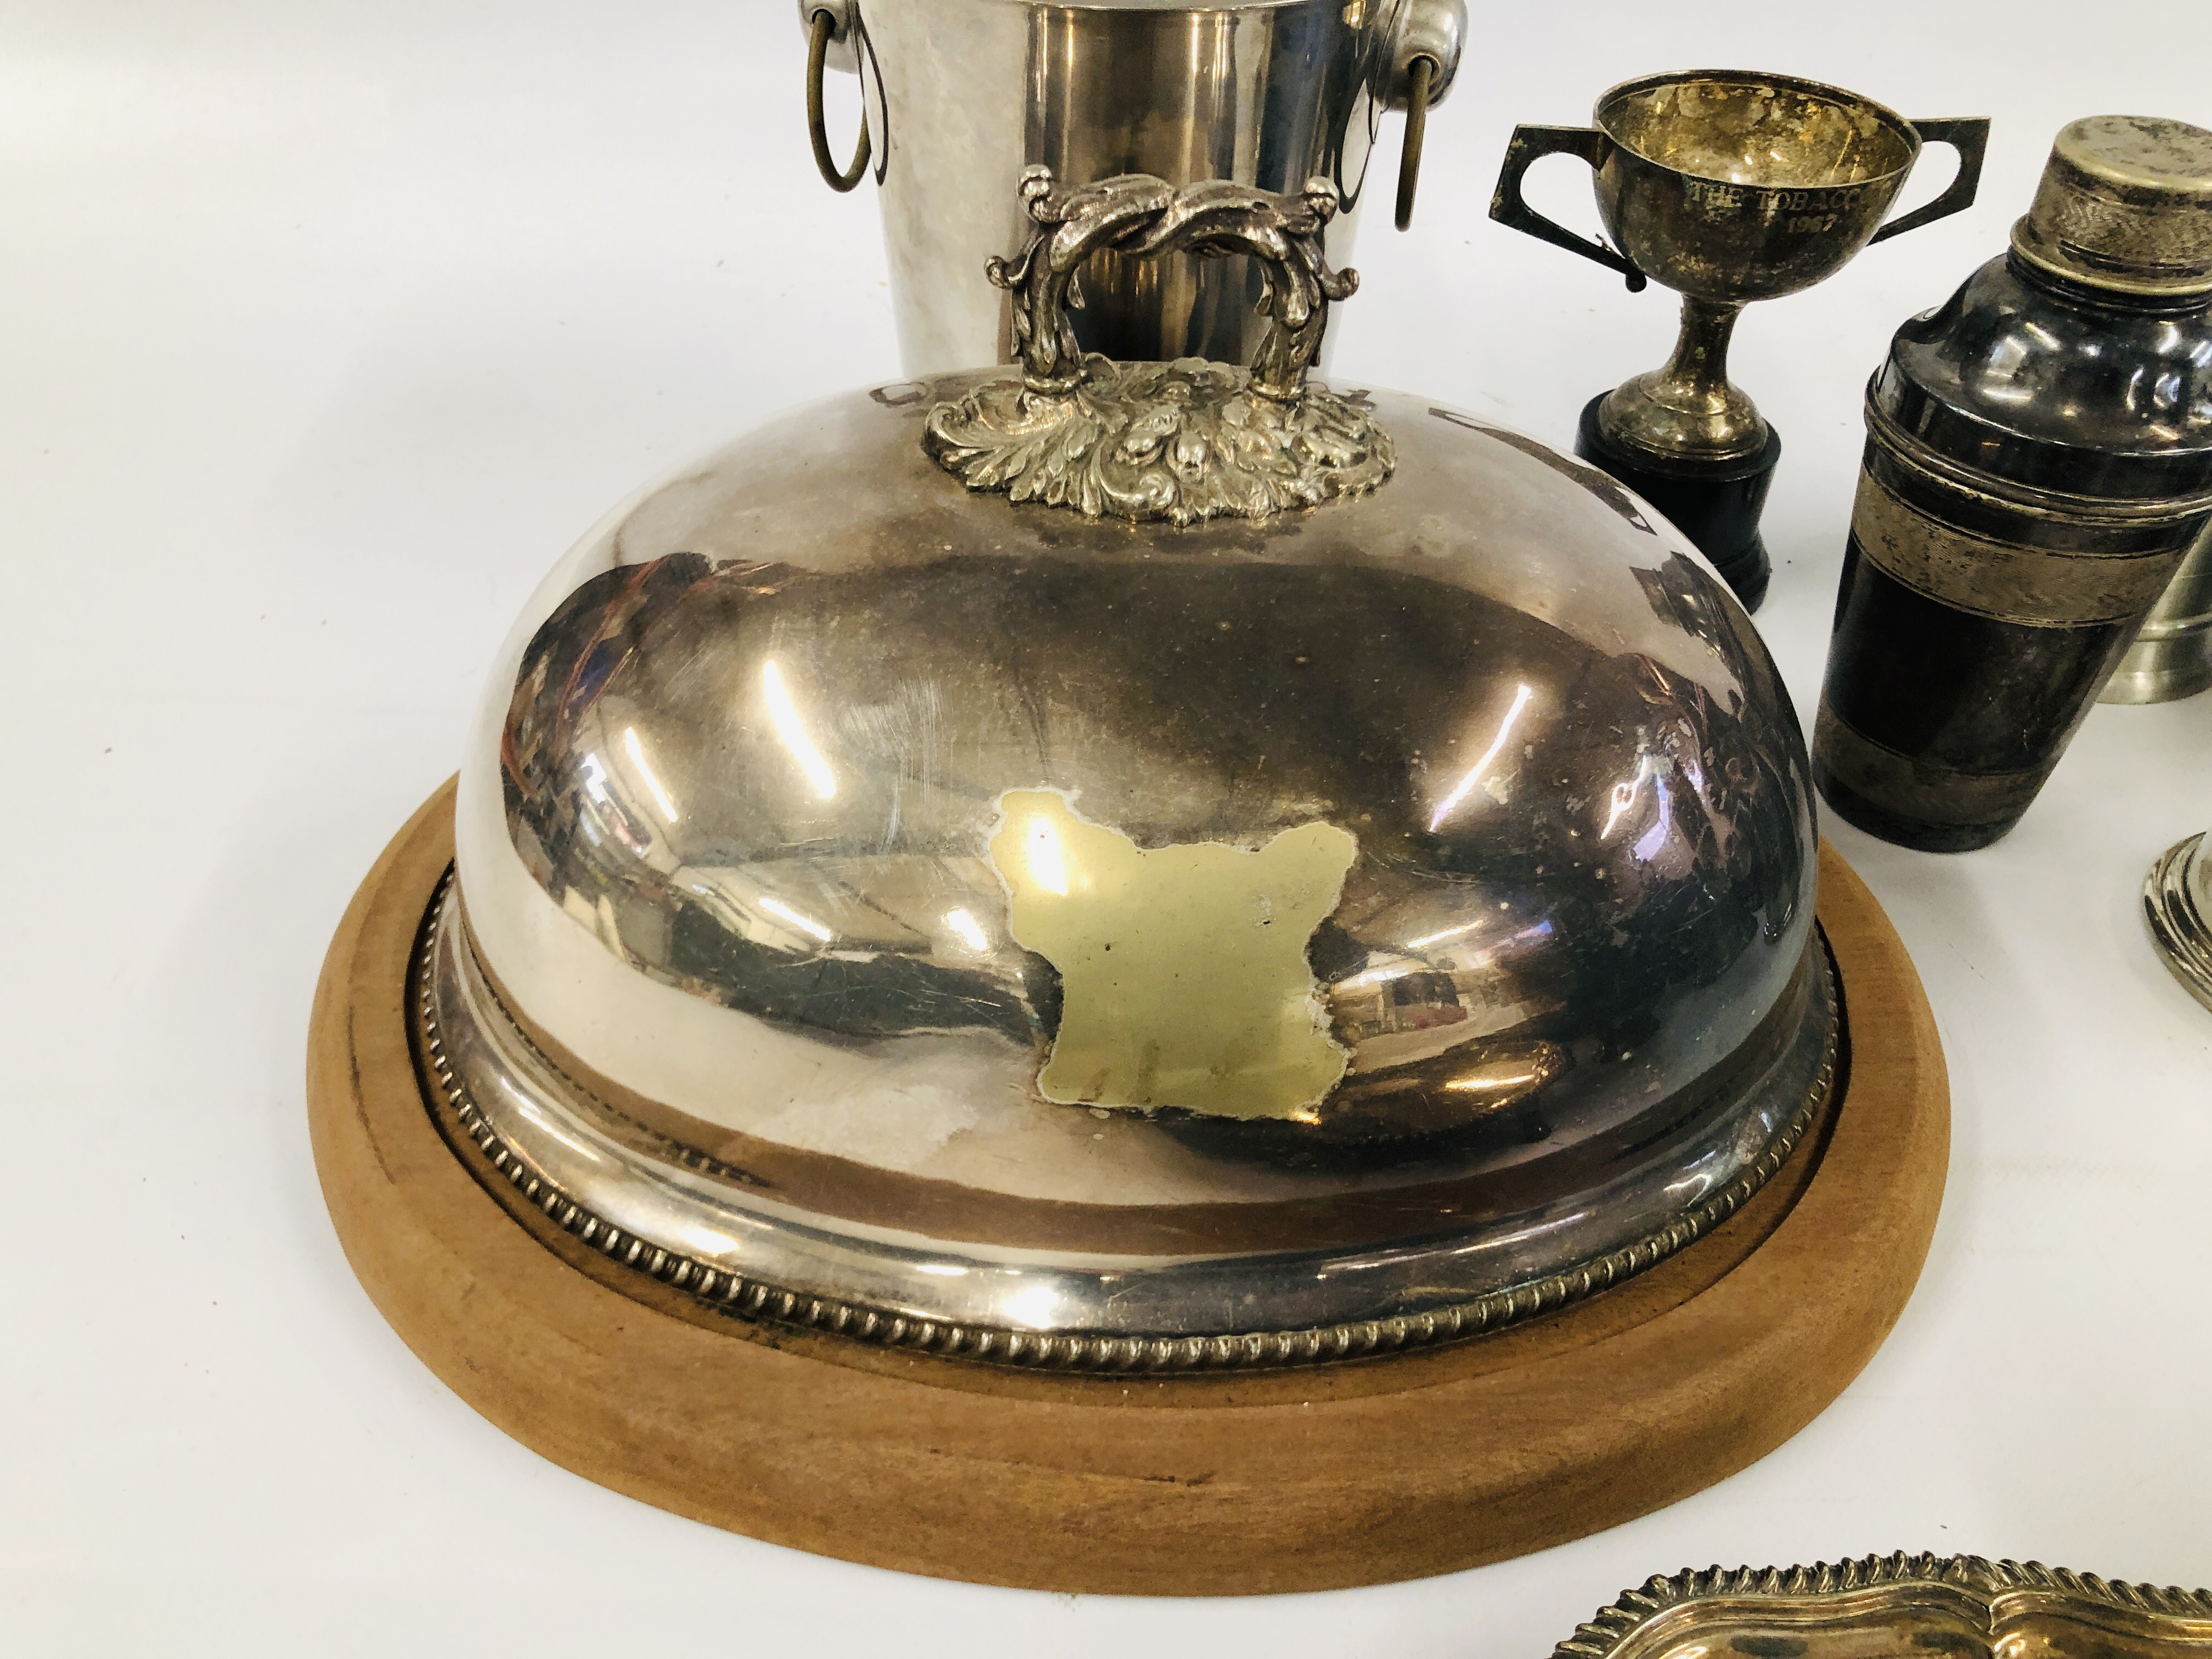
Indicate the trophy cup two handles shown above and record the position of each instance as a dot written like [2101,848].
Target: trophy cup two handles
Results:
[1968,135]
[1530,145]
[1141,216]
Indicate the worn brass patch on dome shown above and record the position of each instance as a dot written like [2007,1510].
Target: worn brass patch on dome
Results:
[1183,972]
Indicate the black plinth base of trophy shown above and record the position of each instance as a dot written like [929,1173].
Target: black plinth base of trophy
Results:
[1716,504]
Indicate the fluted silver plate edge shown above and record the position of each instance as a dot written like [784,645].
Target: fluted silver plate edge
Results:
[1900,1597]
[2183,933]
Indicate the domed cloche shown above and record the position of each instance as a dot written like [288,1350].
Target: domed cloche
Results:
[1134,866]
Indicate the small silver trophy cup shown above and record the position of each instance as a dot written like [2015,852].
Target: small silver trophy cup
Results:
[1727,186]
[962,96]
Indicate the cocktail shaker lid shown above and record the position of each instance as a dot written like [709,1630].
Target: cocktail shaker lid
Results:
[2125,203]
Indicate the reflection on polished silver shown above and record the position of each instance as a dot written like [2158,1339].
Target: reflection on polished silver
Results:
[2178,904]
[1183,442]
[960,95]
[719,1232]
[766,768]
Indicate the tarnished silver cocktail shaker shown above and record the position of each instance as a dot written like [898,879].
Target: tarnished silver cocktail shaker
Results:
[2038,462]
[960,95]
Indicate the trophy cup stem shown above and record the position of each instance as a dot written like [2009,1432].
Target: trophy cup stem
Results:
[1693,446]
[1698,371]
[1688,410]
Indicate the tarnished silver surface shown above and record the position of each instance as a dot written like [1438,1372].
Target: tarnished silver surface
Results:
[725,851]
[2124,205]
[2178,904]
[2038,468]
[962,94]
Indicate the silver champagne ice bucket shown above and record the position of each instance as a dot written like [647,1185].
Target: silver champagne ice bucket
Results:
[961,95]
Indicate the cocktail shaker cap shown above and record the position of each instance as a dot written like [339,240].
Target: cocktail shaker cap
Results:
[2125,203]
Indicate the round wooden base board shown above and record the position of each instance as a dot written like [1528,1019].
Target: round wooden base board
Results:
[1299,1479]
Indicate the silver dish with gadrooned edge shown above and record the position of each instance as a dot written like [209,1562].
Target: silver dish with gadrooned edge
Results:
[1964,1605]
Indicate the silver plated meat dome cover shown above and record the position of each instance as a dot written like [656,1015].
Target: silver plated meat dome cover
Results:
[1134,866]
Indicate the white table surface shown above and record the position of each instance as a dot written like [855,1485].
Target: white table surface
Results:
[324,328]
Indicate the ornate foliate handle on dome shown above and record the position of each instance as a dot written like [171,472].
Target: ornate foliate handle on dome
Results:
[1185,440]
[1143,216]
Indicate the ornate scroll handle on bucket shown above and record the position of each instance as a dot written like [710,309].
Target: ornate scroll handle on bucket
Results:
[1139,215]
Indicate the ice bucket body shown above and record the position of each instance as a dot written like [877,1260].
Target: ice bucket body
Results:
[962,94]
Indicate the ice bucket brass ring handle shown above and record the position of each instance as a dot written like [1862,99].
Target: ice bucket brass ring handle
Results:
[1425,75]
[1138,216]
[1970,136]
[1531,144]
[822,27]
